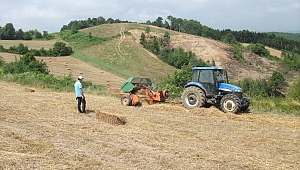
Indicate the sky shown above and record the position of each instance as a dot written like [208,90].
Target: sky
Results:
[252,15]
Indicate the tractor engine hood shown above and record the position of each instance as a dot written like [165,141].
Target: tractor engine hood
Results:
[229,87]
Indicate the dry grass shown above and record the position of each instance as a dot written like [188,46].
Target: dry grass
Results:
[64,66]
[42,130]
[34,44]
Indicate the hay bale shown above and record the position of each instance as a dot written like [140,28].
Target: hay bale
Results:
[29,90]
[111,119]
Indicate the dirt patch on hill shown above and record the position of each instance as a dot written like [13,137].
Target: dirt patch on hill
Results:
[204,48]
[42,130]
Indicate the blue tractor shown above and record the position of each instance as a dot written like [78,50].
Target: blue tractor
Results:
[209,86]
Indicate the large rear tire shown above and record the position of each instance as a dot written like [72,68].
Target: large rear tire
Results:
[193,97]
[126,100]
[230,103]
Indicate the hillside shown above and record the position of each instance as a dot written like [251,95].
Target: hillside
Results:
[204,48]
[42,130]
[124,56]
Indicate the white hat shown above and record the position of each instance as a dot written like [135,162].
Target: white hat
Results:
[80,77]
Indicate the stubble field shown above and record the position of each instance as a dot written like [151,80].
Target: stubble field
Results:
[42,130]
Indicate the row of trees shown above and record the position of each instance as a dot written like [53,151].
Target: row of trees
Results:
[196,28]
[8,32]
[90,22]
[59,49]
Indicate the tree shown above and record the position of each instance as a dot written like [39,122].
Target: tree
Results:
[170,18]
[101,20]
[159,22]
[8,32]
[110,21]
[27,36]
[147,29]
[277,82]
[38,35]
[45,34]
[60,49]
[166,38]
[230,39]
[20,34]
[166,25]
[156,47]
[143,39]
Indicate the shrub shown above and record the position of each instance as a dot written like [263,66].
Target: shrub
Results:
[60,49]
[294,91]
[27,63]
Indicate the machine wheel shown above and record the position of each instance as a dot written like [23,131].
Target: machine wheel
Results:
[165,94]
[193,97]
[230,103]
[245,103]
[126,100]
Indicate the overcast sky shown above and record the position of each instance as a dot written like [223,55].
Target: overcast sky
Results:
[252,15]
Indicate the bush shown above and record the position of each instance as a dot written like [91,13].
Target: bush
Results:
[27,63]
[60,49]
[264,87]
[258,49]
[237,52]
[294,91]
[175,84]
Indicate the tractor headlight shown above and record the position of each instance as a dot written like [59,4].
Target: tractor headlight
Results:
[237,90]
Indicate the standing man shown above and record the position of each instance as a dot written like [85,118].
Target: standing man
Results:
[80,95]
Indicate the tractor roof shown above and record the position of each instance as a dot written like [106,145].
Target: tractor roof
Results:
[207,68]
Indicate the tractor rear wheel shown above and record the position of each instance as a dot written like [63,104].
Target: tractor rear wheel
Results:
[230,103]
[193,97]
[126,100]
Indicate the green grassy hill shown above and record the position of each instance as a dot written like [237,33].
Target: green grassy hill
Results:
[121,55]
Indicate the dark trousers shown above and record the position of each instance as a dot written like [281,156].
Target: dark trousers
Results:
[81,100]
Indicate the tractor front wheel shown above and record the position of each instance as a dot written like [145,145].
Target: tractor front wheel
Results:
[193,97]
[126,100]
[245,103]
[230,103]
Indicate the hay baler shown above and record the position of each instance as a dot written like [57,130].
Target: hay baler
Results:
[137,90]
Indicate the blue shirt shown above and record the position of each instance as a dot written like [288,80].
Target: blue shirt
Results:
[77,87]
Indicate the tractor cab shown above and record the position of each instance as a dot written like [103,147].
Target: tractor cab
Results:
[210,78]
